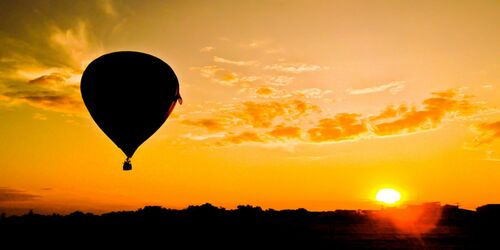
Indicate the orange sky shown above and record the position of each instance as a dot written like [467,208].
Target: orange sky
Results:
[287,104]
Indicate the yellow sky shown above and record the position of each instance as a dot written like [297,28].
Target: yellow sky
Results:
[287,104]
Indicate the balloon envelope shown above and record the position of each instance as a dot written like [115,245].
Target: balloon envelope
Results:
[129,95]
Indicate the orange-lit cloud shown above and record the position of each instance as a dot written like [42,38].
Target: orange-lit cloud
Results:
[488,133]
[264,91]
[208,123]
[282,131]
[263,114]
[434,110]
[246,136]
[343,126]
[287,118]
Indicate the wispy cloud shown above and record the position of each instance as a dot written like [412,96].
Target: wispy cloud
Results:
[393,87]
[40,117]
[204,136]
[233,62]
[207,49]
[15,195]
[294,67]
[247,136]
[211,124]
[50,79]
[76,42]
[313,93]
[257,43]
[279,80]
[223,76]
[47,76]
[108,7]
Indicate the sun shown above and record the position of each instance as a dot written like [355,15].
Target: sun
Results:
[388,196]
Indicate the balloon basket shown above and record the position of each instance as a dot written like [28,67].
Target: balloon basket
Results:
[127,165]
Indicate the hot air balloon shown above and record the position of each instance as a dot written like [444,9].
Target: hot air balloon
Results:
[129,95]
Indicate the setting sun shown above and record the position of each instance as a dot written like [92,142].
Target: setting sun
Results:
[388,196]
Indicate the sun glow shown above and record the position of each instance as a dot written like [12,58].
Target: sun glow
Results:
[388,196]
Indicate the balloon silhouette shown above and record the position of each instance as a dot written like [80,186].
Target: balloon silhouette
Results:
[129,95]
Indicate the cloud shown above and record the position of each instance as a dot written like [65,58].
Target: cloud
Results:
[283,131]
[267,92]
[246,136]
[263,114]
[389,112]
[14,195]
[272,92]
[282,119]
[50,79]
[76,42]
[294,67]
[204,136]
[108,7]
[210,124]
[46,99]
[435,109]
[223,76]
[252,121]
[488,133]
[264,91]
[313,93]
[257,43]
[46,73]
[207,49]
[393,87]
[40,117]
[343,126]
[238,63]
[279,80]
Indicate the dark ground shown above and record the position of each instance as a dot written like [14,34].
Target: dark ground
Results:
[248,227]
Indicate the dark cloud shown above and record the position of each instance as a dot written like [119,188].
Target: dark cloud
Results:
[43,45]
[10,195]
[48,99]
[50,79]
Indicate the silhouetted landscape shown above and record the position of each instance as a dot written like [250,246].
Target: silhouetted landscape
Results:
[425,226]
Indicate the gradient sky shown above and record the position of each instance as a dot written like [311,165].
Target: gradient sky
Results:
[287,104]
